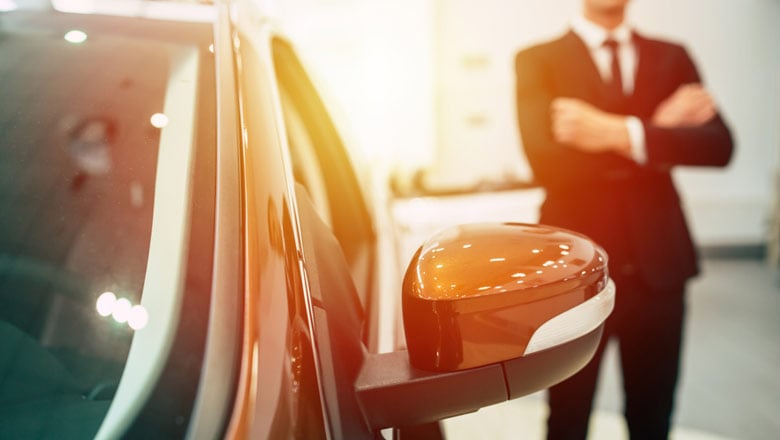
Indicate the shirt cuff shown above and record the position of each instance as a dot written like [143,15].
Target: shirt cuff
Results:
[636,136]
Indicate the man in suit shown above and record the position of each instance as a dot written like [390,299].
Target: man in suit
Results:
[604,114]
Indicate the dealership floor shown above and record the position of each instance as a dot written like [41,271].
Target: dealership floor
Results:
[730,387]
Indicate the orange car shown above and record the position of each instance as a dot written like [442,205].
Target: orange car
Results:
[186,250]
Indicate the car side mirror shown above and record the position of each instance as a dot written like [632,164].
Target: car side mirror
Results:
[491,312]
[475,295]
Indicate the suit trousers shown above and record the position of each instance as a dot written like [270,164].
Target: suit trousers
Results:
[648,327]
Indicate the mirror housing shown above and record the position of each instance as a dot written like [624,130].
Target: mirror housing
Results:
[479,294]
[491,312]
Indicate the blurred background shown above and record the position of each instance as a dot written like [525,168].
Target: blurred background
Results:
[428,85]
[425,93]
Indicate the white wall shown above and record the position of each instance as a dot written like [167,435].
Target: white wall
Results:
[373,60]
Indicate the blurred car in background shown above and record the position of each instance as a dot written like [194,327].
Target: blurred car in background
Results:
[186,250]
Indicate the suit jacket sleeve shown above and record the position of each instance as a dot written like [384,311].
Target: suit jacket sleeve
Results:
[710,144]
[555,166]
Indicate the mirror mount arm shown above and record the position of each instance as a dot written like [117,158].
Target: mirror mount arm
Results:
[393,393]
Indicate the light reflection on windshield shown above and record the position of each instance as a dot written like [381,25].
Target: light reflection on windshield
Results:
[122,310]
[78,164]
[159,120]
[75,36]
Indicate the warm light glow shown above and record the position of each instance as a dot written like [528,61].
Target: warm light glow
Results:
[535,251]
[466,246]
[497,260]
[352,58]
[159,120]
[75,37]
[518,275]
[138,317]
[211,48]
[105,303]
[121,310]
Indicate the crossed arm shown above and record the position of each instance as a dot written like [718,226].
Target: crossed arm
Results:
[579,125]
[568,140]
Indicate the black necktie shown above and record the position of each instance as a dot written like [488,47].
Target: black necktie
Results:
[616,84]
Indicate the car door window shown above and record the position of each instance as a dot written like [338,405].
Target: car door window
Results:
[322,165]
[93,147]
[306,167]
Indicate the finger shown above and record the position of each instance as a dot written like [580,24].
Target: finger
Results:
[690,91]
[699,93]
[559,124]
[555,108]
[701,101]
[562,131]
[707,99]
[563,112]
[559,134]
[677,98]
[692,95]
[693,101]
[704,115]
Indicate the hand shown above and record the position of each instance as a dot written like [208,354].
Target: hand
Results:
[689,106]
[587,128]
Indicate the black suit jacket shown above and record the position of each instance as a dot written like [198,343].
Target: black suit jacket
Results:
[633,211]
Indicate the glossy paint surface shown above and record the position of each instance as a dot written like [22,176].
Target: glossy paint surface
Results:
[277,392]
[475,294]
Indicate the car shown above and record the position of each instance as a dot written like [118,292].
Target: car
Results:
[186,249]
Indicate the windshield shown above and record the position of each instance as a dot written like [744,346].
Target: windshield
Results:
[96,141]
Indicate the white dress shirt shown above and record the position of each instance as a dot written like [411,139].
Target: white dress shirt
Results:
[594,37]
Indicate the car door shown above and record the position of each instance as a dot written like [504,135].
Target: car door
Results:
[337,242]
[308,231]
[279,393]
